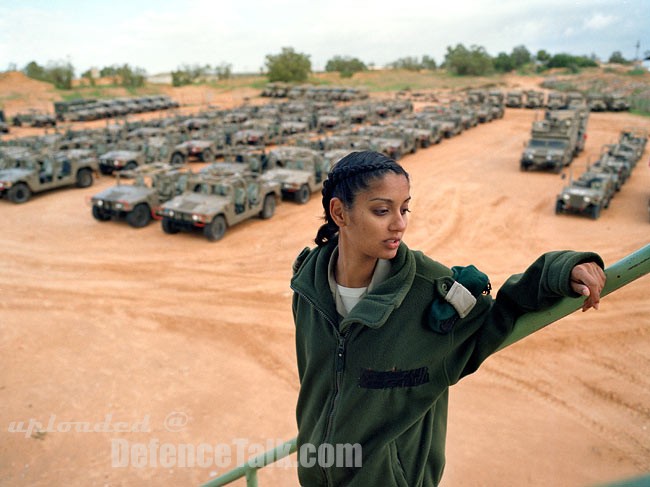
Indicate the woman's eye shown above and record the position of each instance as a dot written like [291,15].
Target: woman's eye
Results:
[381,211]
[405,211]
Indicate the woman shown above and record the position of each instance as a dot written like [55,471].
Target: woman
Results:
[383,331]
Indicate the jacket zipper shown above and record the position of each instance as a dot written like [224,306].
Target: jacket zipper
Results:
[339,366]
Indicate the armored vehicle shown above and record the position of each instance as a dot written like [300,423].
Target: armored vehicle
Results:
[44,172]
[635,136]
[596,102]
[204,150]
[216,203]
[34,119]
[151,186]
[587,195]
[514,99]
[138,153]
[616,102]
[555,140]
[300,171]
[534,99]
[556,100]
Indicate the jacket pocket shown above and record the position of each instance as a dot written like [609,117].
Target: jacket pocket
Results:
[396,465]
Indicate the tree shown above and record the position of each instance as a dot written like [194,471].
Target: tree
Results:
[617,58]
[289,65]
[542,56]
[35,71]
[223,71]
[345,65]
[409,63]
[520,56]
[88,74]
[468,62]
[503,63]
[428,63]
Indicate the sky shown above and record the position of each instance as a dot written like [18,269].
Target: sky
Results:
[164,35]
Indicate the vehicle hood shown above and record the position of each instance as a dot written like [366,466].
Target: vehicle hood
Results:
[14,174]
[282,175]
[203,204]
[130,194]
[120,154]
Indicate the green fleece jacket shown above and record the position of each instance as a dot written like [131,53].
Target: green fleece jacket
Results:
[379,378]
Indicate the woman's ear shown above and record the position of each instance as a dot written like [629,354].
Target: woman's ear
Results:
[337,210]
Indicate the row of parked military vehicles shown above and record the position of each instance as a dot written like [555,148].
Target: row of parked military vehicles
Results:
[314,92]
[593,191]
[258,164]
[556,139]
[557,100]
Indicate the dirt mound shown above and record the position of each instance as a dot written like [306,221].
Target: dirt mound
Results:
[19,93]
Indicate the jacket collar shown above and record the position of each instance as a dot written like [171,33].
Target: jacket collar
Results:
[311,282]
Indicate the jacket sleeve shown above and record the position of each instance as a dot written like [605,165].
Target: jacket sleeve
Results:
[483,331]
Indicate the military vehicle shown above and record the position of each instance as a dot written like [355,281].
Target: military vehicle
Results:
[588,195]
[203,149]
[215,203]
[596,102]
[555,141]
[34,118]
[135,202]
[300,171]
[635,136]
[514,99]
[556,100]
[38,173]
[137,153]
[390,140]
[616,102]
[534,99]
[575,99]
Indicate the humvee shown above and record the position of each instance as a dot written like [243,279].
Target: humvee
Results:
[215,203]
[596,102]
[139,153]
[616,102]
[40,173]
[534,99]
[587,195]
[136,202]
[300,171]
[514,99]
[556,100]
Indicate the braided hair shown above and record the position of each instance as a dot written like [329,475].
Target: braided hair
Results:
[352,174]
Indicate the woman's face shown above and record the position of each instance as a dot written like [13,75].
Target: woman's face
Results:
[373,228]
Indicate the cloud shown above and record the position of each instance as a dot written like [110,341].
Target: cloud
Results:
[599,21]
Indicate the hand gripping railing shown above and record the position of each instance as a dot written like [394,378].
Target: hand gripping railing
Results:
[618,275]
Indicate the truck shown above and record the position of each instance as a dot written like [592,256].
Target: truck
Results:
[216,203]
[587,195]
[556,140]
[300,171]
[137,200]
[35,173]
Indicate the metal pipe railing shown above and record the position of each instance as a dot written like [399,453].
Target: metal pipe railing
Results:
[618,275]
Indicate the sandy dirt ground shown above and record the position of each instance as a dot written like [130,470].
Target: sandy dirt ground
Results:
[184,342]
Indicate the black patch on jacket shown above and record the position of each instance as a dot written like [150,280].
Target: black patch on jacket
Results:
[374,379]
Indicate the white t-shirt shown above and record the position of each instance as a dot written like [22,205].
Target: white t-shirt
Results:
[351,295]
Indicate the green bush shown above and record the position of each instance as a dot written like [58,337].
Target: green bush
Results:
[287,66]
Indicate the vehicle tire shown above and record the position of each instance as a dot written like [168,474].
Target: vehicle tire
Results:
[559,207]
[269,207]
[177,159]
[19,193]
[524,167]
[84,178]
[169,226]
[303,194]
[100,215]
[131,166]
[216,229]
[106,170]
[206,156]
[140,216]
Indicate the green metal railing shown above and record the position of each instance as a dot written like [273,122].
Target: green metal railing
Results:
[618,275]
